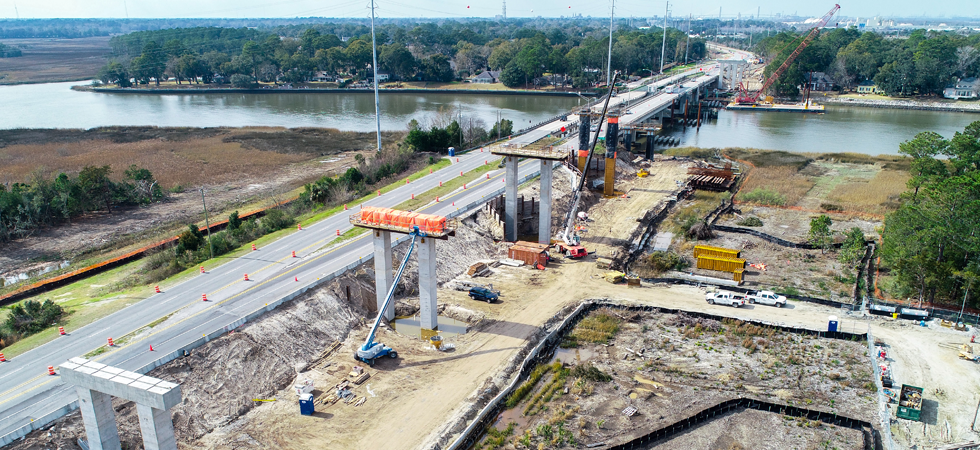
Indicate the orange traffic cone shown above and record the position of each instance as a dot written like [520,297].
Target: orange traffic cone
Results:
[299,227]
[151,347]
[294,253]
[486,162]
[345,207]
[204,297]
[61,331]
[430,170]
[157,289]
[437,199]
[338,232]
[2,358]
[246,277]
[253,248]
[413,196]
[461,173]
[488,176]
[457,159]
[440,184]
[379,192]
[110,343]
[202,267]
[295,278]
[464,185]
[51,370]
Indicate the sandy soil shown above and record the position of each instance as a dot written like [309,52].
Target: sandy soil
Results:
[766,432]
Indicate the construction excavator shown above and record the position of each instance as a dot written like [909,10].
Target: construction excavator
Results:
[371,350]
[745,97]
[571,243]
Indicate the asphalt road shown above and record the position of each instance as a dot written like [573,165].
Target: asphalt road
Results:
[28,392]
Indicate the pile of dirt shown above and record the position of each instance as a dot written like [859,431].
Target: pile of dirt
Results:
[220,379]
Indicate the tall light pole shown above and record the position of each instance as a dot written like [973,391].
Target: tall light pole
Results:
[612,13]
[207,223]
[687,46]
[663,47]
[374,54]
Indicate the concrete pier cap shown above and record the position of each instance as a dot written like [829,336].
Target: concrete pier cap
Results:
[97,383]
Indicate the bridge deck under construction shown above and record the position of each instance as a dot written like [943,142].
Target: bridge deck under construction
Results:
[548,153]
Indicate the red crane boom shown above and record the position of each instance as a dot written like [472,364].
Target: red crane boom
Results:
[745,97]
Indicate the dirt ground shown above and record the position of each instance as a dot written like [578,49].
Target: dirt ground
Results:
[238,168]
[50,60]
[671,366]
[424,398]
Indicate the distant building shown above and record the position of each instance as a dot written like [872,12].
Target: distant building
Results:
[820,82]
[487,77]
[868,87]
[382,77]
[323,77]
[965,88]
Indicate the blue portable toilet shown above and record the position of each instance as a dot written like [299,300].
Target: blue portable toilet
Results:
[306,404]
[832,325]
[452,151]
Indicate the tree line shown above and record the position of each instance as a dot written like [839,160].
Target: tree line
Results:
[43,201]
[421,51]
[924,63]
[931,244]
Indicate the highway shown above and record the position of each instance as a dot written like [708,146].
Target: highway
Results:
[28,392]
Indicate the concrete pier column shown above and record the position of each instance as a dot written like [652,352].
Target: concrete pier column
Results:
[382,270]
[584,129]
[510,199]
[649,152]
[428,284]
[544,212]
[157,428]
[99,419]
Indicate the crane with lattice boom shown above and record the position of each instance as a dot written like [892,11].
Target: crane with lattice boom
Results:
[744,97]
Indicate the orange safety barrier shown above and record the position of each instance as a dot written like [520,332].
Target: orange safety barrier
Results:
[427,223]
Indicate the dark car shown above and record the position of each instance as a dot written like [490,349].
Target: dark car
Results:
[481,293]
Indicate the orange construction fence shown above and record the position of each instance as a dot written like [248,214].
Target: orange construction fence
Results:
[427,223]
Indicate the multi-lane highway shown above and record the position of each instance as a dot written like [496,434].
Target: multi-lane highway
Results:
[27,392]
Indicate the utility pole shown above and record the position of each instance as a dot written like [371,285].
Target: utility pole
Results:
[612,13]
[687,46]
[207,223]
[374,54]
[663,47]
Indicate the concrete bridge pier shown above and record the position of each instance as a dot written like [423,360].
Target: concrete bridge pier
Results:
[99,419]
[544,213]
[428,284]
[510,199]
[383,276]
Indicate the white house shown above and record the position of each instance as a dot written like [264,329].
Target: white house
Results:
[487,77]
[965,88]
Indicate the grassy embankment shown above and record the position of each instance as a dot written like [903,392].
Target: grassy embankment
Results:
[849,183]
[95,297]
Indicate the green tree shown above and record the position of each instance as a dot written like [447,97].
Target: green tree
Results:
[397,60]
[96,183]
[114,72]
[852,250]
[820,233]
[233,221]
[190,240]
[512,76]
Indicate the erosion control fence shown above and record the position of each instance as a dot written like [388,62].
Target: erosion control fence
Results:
[545,350]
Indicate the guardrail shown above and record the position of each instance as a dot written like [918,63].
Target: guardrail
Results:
[57,413]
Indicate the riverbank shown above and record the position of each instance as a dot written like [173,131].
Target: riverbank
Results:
[308,90]
[939,106]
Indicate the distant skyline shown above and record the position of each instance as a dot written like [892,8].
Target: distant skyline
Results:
[27,9]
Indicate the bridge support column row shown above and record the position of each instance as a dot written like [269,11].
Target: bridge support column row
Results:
[428,280]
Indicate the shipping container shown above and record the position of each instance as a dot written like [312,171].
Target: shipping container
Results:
[530,253]
[719,252]
[720,264]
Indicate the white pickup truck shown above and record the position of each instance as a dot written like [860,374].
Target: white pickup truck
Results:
[767,298]
[725,298]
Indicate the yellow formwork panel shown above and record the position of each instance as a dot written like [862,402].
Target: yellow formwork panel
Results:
[721,264]
[737,275]
[721,252]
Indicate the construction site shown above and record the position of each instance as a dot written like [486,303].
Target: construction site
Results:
[577,305]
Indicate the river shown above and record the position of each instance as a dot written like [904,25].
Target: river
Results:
[841,129]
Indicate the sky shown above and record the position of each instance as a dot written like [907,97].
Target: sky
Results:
[469,8]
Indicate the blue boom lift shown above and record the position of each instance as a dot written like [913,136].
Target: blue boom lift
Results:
[373,350]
